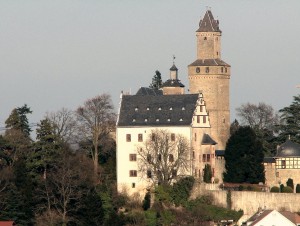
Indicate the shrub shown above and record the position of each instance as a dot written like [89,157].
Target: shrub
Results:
[275,189]
[147,201]
[207,173]
[290,183]
[298,188]
[182,189]
[281,187]
[287,189]
[241,187]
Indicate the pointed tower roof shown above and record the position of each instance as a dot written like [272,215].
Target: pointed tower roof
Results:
[208,23]
[173,68]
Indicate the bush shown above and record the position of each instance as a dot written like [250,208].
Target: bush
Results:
[290,183]
[275,189]
[287,189]
[281,187]
[298,188]
[147,201]
[182,189]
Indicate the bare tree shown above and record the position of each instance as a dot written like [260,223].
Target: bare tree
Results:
[261,116]
[164,156]
[64,186]
[64,123]
[97,120]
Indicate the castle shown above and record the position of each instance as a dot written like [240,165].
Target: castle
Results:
[201,116]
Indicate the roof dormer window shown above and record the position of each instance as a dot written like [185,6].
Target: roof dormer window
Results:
[148,109]
[159,108]
[136,109]
[181,120]
[146,120]
[183,108]
[169,120]
[171,108]
[157,119]
[133,120]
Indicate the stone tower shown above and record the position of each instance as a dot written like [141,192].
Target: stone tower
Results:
[210,75]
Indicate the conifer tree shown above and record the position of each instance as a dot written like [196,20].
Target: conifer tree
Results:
[244,157]
[290,122]
[156,81]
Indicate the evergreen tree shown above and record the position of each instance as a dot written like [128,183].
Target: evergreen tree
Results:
[45,149]
[18,120]
[156,81]
[244,157]
[234,126]
[207,173]
[290,122]
[290,183]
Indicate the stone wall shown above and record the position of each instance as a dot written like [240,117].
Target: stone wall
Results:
[250,202]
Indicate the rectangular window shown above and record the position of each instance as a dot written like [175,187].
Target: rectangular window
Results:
[201,108]
[207,69]
[208,157]
[153,137]
[159,157]
[277,174]
[132,173]
[193,155]
[148,158]
[149,175]
[198,118]
[172,136]
[204,119]
[132,157]
[140,137]
[204,157]
[133,185]
[195,136]
[283,165]
[171,158]
[128,137]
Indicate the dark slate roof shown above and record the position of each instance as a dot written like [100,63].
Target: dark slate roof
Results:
[208,23]
[220,152]
[161,110]
[207,140]
[209,62]
[172,83]
[269,160]
[288,149]
[173,68]
[148,91]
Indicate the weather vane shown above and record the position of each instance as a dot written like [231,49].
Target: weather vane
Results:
[174,59]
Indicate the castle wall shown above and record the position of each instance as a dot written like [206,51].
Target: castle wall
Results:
[250,202]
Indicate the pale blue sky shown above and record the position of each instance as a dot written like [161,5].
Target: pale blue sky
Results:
[58,53]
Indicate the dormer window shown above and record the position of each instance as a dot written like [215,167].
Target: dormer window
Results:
[183,108]
[169,120]
[146,120]
[148,109]
[159,109]
[180,120]
[157,119]
[136,109]
[171,108]
[133,120]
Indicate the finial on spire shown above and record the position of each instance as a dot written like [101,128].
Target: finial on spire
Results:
[174,59]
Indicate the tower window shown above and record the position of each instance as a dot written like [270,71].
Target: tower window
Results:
[204,119]
[225,70]
[132,173]
[128,137]
[197,69]
[207,69]
[132,157]
[205,38]
[222,69]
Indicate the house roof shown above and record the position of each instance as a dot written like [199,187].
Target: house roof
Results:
[208,23]
[207,140]
[256,218]
[148,91]
[173,68]
[172,83]
[160,110]
[209,62]
[7,223]
[288,149]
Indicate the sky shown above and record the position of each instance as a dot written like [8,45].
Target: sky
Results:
[59,53]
